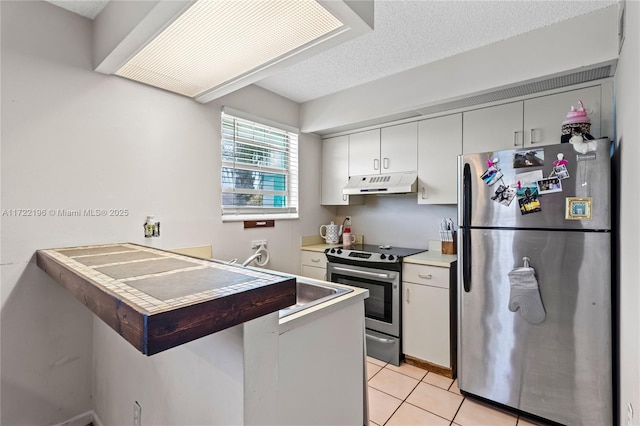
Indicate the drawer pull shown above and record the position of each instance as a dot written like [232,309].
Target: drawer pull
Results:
[425,276]
[315,260]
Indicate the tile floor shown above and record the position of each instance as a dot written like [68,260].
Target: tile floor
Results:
[408,395]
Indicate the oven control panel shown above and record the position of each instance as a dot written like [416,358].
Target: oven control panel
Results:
[361,255]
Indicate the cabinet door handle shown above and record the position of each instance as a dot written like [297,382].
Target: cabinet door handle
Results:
[515,138]
[424,192]
[344,197]
[425,276]
[315,260]
[385,163]
[408,295]
[376,164]
[531,136]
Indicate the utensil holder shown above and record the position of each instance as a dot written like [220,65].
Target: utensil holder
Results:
[449,247]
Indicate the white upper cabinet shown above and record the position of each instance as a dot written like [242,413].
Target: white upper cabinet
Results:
[364,153]
[530,123]
[543,116]
[399,148]
[439,144]
[335,172]
[492,128]
[388,150]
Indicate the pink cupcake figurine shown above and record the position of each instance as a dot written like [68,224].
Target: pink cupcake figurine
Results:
[576,123]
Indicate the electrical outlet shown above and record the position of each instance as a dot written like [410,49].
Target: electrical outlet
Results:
[257,243]
[137,414]
[348,219]
[629,414]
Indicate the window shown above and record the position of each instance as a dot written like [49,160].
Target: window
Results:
[259,168]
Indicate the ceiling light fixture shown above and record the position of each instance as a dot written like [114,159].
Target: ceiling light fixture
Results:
[216,42]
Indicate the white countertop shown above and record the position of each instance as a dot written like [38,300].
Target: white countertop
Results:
[432,258]
[319,247]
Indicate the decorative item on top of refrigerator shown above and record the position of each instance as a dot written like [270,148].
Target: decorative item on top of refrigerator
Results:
[576,130]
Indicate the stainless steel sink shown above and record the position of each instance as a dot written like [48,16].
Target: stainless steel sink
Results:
[311,294]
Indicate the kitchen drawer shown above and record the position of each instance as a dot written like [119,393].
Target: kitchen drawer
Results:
[313,272]
[313,258]
[435,276]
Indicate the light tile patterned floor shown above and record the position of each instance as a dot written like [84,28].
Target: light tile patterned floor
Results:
[408,395]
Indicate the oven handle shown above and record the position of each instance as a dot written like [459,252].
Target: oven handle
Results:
[365,273]
[379,339]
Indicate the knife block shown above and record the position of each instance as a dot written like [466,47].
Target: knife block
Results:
[449,247]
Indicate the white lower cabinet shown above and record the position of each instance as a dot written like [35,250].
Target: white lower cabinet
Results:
[426,325]
[313,264]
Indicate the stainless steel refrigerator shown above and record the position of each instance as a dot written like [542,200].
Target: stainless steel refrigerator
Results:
[559,368]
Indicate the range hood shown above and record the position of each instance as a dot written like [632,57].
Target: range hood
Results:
[389,183]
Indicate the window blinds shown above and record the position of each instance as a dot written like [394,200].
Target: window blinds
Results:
[259,170]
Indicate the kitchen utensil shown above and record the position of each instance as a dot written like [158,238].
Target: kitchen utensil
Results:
[332,233]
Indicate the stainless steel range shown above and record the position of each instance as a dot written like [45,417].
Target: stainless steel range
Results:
[379,270]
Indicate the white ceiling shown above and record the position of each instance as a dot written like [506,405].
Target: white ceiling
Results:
[407,34]
[87,8]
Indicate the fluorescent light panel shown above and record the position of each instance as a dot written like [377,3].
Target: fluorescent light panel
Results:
[216,41]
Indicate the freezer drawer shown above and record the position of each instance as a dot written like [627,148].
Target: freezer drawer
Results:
[560,369]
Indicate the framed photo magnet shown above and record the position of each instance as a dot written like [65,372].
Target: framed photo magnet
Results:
[578,208]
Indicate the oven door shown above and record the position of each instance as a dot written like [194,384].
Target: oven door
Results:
[382,307]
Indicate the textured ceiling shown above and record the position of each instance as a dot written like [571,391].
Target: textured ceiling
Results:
[407,34]
[412,33]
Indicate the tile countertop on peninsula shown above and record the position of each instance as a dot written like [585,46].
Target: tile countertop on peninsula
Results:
[157,299]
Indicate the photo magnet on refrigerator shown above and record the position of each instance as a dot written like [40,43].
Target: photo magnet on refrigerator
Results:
[529,204]
[548,185]
[530,158]
[560,168]
[504,195]
[491,176]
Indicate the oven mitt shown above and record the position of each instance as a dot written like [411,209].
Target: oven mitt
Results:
[525,295]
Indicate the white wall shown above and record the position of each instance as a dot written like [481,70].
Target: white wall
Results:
[397,220]
[76,139]
[628,138]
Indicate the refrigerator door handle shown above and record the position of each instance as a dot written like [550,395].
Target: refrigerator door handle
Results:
[465,253]
[466,196]
[466,259]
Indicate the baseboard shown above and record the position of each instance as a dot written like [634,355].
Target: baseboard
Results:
[84,419]
[438,369]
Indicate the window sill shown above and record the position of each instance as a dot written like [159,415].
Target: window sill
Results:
[243,217]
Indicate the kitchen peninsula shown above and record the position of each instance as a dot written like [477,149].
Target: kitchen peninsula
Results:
[226,333]
[156,299]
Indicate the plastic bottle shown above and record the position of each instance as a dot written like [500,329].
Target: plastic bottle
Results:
[347,240]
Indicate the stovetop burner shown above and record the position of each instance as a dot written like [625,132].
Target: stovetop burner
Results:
[368,253]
